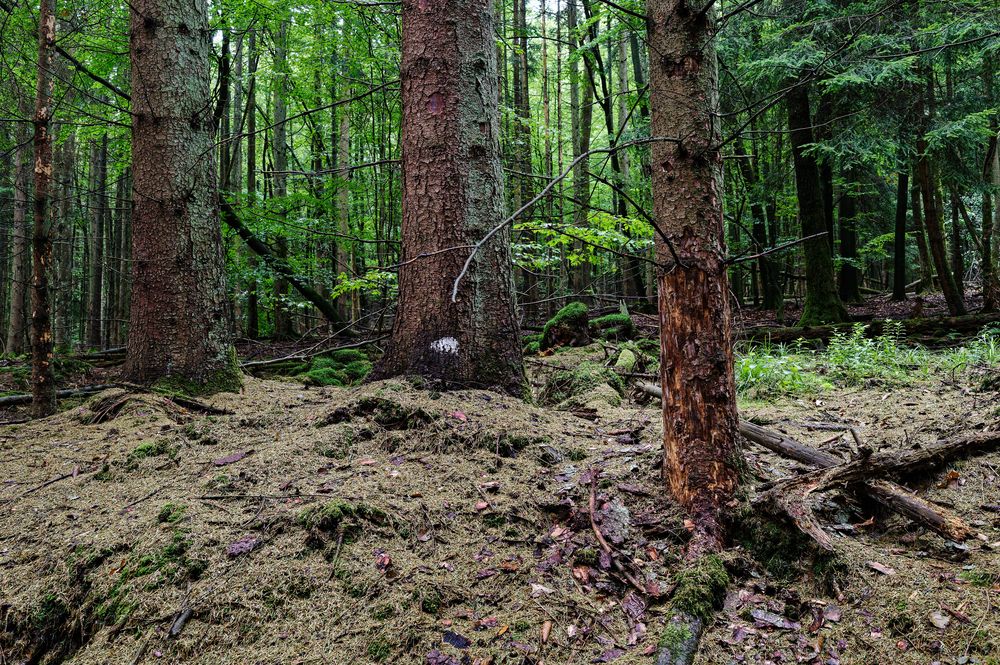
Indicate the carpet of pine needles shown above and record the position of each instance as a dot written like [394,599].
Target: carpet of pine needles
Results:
[460,533]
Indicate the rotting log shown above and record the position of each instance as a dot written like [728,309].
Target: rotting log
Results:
[20,400]
[941,520]
[792,496]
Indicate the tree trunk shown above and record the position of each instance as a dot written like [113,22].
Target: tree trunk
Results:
[453,197]
[43,387]
[583,113]
[848,279]
[253,308]
[345,258]
[18,322]
[935,235]
[957,256]
[899,238]
[923,253]
[279,148]
[180,323]
[822,303]
[96,287]
[699,404]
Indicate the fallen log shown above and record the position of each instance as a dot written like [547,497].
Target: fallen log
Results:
[936,518]
[928,330]
[19,400]
[792,496]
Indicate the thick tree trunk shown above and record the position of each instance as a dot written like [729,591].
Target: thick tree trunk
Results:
[180,327]
[43,387]
[699,403]
[899,238]
[18,322]
[453,197]
[822,303]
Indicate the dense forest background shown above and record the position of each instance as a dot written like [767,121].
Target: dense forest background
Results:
[894,154]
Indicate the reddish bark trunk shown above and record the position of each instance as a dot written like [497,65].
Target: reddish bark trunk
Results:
[699,400]
[452,197]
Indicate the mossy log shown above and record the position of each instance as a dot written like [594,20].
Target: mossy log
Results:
[570,326]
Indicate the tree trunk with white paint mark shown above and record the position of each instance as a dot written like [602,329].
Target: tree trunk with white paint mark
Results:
[453,197]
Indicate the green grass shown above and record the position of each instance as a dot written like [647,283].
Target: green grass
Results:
[764,372]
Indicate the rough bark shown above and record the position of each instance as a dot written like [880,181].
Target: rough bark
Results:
[899,237]
[699,403]
[18,322]
[453,197]
[822,303]
[582,110]
[253,309]
[43,388]
[180,328]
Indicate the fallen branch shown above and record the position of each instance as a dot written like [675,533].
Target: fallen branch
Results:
[936,518]
[18,400]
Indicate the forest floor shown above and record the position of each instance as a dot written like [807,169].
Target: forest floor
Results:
[388,523]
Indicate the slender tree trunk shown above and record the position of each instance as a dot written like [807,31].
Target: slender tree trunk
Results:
[583,110]
[991,173]
[957,256]
[345,258]
[180,332]
[453,197]
[699,397]
[253,307]
[923,253]
[822,303]
[935,235]
[848,280]
[96,287]
[899,239]
[18,322]
[43,386]
[282,317]
[63,309]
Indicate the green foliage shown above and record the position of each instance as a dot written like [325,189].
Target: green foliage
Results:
[614,326]
[853,358]
[764,372]
[344,367]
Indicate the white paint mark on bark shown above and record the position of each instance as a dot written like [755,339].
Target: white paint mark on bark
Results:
[447,345]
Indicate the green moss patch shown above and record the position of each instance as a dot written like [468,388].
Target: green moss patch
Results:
[614,327]
[568,327]
[700,587]
[587,378]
